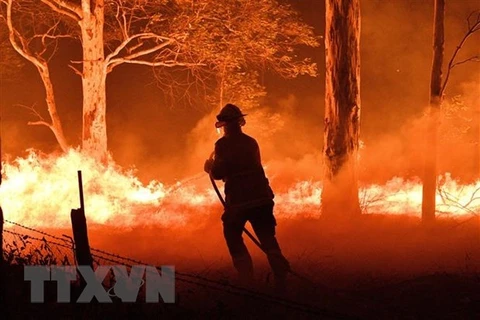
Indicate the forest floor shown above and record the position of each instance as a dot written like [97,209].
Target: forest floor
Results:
[377,267]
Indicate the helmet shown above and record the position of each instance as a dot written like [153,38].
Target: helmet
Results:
[229,113]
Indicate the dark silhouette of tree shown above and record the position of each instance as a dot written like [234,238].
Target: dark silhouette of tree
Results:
[430,169]
[342,108]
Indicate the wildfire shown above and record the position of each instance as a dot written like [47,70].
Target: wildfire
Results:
[40,190]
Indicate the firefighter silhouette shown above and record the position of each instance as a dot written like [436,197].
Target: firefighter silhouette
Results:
[248,197]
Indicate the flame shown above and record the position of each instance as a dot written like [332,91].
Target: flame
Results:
[40,190]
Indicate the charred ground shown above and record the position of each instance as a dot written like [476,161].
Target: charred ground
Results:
[377,267]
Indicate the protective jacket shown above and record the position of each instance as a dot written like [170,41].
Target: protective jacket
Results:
[237,162]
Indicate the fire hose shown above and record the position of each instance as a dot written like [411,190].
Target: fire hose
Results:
[250,235]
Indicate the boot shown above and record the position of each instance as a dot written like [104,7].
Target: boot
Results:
[244,267]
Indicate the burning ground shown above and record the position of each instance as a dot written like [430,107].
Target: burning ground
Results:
[39,190]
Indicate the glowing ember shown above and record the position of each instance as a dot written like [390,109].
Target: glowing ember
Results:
[41,190]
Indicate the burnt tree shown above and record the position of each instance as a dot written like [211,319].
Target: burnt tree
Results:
[342,108]
[437,90]
[431,135]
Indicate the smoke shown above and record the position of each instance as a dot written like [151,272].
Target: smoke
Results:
[171,144]
[396,63]
[289,142]
[401,152]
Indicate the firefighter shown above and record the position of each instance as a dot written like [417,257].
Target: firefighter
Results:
[248,196]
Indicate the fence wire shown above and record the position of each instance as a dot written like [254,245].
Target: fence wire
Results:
[25,245]
[103,257]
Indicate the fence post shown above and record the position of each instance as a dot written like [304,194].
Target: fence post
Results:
[80,233]
[2,270]
[80,236]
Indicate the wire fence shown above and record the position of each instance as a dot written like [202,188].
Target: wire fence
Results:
[103,257]
[23,245]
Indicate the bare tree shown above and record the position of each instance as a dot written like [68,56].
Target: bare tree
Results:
[155,33]
[437,90]
[430,168]
[111,33]
[342,108]
[39,37]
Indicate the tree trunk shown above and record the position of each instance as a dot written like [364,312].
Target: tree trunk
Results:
[342,108]
[56,125]
[94,134]
[431,136]
[477,153]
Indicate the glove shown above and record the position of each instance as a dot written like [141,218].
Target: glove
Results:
[208,165]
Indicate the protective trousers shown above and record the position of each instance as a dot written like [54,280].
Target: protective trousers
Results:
[263,223]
